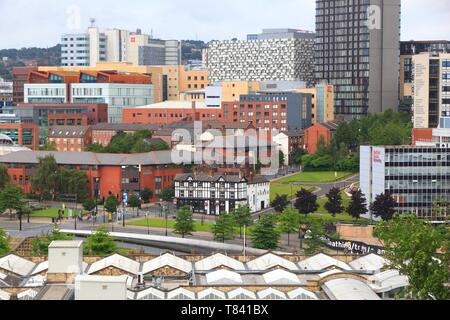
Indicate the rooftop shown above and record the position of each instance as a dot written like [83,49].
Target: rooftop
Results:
[89,158]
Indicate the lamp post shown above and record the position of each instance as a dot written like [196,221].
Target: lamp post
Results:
[165,212]
[97,189]
[148,226]
[20,219]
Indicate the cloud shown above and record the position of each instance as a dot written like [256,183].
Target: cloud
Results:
[41,23]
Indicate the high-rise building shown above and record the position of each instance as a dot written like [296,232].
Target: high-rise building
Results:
[431,89]
[276,54]
[407,50]
[116,45]
[357,50]
[83,49]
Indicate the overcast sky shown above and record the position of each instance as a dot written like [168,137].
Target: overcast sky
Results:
[41,22]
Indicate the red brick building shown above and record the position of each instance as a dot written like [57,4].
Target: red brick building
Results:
[102,133]
[117,174]
[72,138]
[318,130]
[171,112]
[23,134]
[20,77]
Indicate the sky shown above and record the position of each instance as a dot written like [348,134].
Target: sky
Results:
[26,23]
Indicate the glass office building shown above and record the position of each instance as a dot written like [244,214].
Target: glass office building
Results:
[417,177]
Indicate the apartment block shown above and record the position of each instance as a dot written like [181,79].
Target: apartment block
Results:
[282,55]
[407,50]
[431,89]
[116,45]
[268,112]
[70,139]
[357,51]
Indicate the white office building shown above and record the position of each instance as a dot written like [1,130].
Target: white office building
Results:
[416,177]
[116,45]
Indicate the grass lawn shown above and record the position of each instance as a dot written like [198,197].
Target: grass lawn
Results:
[315,177]
[50,213]
[284,189]
[161,224]
[343,217]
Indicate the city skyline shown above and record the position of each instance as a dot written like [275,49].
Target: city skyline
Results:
[197,19]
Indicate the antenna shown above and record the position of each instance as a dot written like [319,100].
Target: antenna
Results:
[92,21]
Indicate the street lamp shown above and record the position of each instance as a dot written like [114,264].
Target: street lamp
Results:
[165,212]
[20,219]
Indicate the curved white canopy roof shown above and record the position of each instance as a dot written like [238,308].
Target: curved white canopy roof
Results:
[388,281]
[211,294]
[223,277]
[348,289]
[43,266]
[117,261]
[241,294]
[371,262]
[17,265]
[301,294]
[4,295]
[281,277]
[269,261]
[271,294]
[150,294]
[218,260]
[322,262]
[167,260]
[181,294]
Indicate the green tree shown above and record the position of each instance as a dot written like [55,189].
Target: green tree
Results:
[167,194]
[111,204]
[39,245]
[11,199]
[4,177]
[73,182]
[280,203]
[184,224]
[146,195]
[358,205]
[134,201]
[100,243]
[89,204]
[420,251]
[95,147]
[306,202]
[4,243]
[223,229]
[242,216]
[334,204]
[297,155]
[289,221]
[281,158]
[314,236]
[46,179]
[48,146]
[265,234]
[383,206]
